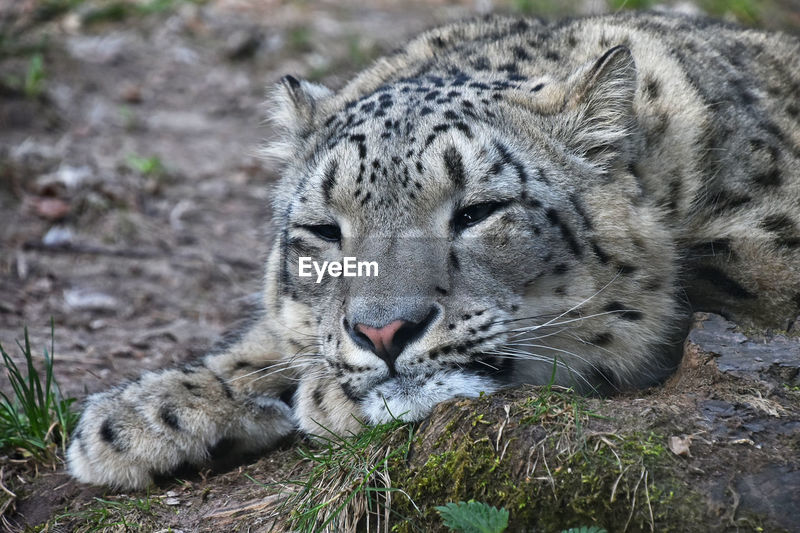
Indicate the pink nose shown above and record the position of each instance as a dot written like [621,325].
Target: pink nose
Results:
[381,338]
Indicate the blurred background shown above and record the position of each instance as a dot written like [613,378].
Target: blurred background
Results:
[132,207]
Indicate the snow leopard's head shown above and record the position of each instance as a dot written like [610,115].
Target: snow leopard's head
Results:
[457,193]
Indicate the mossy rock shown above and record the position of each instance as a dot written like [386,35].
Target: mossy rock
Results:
[549,471]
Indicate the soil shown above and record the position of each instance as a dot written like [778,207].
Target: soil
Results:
[133,214]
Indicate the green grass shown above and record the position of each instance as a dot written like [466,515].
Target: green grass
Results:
[119,10]
[545,8]
[300,39]
[147,166]
[129,119]
[123,514]
[349,480]
[34,77]
[36,420]
[745,11]
[31,84]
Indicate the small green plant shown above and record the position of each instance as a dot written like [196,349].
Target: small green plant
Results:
[554,402]
[473,517]
[616,5]
[128,117]
[34,77]
[119,10]
[584,529]
[147,166]
[544,7]
[37,420]
[745,11]
[299,39]
[31,84]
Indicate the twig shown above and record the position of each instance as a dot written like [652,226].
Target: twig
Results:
[633,501]
[502,426]
[128,253]
[3,487]
[72,248]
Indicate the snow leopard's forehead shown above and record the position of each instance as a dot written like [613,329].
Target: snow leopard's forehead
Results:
[413,142]
[417,111]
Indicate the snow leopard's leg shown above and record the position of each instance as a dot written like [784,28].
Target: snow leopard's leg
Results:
[172,418]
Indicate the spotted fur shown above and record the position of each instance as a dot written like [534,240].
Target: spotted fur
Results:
[542,199]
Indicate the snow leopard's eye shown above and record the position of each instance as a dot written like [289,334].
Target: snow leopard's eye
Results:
[474,214]
[326,232]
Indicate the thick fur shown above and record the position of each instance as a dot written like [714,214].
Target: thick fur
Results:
[638,167]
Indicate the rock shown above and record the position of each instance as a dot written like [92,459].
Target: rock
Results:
[534,459]
[773,491]
[66,176]
[97,324]
[740,355]
[98,49]
[89,300]
[185,55]
[58,236]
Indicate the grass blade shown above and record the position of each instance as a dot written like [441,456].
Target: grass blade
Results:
[35,420]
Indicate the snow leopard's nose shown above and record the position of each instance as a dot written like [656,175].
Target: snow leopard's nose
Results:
[389,341]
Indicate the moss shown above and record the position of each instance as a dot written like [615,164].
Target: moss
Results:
[469,471]
[571,481]
[544,455]
[447,434]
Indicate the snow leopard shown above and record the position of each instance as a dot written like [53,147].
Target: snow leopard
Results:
[546,202]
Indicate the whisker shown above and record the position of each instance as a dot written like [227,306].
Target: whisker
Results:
[550,360]
[268,367]
[519,355]
[569,321]
[304,365]
[532,317]
[574,307]
[592,365]
[560,351]
[544,336]
[486,364]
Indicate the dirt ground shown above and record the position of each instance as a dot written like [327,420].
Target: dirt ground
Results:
[133,207]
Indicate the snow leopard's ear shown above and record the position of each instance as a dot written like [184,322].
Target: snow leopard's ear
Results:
[295,103]
[599,107]
[293,106]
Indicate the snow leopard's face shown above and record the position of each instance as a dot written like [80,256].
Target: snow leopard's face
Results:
[471,255]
